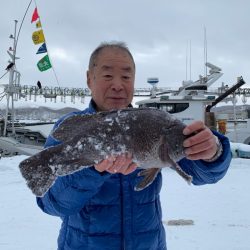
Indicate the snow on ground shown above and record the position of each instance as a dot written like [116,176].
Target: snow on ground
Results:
[220,212]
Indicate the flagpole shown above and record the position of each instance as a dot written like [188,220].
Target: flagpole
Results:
[48,50]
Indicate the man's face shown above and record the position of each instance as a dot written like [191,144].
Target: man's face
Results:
[111,80]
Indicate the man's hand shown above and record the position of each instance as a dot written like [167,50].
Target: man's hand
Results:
[117,164]
[202,145]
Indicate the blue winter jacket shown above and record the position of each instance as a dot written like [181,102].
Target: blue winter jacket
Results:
[101,211]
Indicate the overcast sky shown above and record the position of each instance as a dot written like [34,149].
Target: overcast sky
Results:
[156,31]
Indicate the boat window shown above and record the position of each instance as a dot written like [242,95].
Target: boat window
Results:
[173,107]
[168,107]
[148,105]
[181,107]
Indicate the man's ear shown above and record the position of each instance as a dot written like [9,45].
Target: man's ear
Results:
[88,78]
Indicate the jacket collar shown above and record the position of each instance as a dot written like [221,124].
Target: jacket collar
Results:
[92,106]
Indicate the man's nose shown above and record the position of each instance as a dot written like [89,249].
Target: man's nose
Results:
[117,84]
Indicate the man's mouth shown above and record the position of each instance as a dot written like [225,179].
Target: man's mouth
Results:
[117,98]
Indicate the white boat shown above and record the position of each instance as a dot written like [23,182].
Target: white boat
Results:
[187,108]
[190,101]
[193,102]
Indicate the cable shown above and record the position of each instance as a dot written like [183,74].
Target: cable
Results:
[22,24]
[1,98]
[3,75]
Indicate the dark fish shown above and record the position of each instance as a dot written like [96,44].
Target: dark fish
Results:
[154,137]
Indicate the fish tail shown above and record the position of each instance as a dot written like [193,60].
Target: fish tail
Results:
[39,176]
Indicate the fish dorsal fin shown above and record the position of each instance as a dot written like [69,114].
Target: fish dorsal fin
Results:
[149,176]
[71,125]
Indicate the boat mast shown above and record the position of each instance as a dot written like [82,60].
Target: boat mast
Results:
[10,90]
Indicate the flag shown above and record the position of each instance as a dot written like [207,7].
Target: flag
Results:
[38,37]
[35,15]
[42,49]
[38,24]
[44,63]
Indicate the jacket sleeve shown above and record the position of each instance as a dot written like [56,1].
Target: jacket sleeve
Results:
[70,193]
[209,172]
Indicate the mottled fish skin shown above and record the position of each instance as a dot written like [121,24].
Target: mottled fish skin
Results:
[154,137]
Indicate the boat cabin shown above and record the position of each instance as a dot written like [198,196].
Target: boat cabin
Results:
[186,108]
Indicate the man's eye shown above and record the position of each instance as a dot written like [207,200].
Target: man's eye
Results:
[107,76]
[126,77]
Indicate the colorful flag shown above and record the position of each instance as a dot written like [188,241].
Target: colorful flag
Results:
[38,37]
[44,63]
[38,24]
[42,49]
[35,15]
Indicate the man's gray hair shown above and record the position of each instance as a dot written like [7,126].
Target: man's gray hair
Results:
[104,45]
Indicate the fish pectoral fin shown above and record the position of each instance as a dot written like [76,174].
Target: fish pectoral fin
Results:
[39,177]
[149,176]
[163,150]
[188,178]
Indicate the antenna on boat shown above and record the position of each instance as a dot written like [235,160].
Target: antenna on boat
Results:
[190,60]
[205,51]
[187,61]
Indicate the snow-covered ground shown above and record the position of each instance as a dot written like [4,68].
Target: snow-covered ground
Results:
[220,212]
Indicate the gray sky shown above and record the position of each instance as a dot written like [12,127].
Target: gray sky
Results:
[156,31]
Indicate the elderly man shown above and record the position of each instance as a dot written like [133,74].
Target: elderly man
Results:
[98,205]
